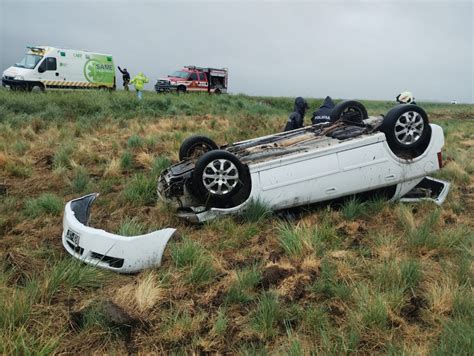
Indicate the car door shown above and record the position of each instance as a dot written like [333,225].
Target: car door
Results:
[48,72]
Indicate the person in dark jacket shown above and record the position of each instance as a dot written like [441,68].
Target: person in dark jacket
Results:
[125,77]
[295,120]
[323,114]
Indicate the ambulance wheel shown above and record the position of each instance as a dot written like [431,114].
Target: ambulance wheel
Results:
[181,89]
[349,110]
[36,88]
[220,179]
[407,130]
[195,146]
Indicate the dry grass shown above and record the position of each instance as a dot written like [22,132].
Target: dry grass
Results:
[373,278]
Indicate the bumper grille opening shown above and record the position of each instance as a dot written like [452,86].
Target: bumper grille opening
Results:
[111,261]
[75,248]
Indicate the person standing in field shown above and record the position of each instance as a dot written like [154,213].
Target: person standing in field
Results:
[295,120]
[139,81]
[125,77]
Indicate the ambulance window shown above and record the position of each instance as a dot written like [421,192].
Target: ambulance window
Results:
[193,76]
[51,63]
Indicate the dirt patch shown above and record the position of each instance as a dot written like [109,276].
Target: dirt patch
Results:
[3,189]
[275,256]
[45,161]
[20,267]
[294,287]
[273,274]
[468,143]
[411,312]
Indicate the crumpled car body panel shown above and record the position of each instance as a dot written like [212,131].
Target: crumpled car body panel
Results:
[124,254]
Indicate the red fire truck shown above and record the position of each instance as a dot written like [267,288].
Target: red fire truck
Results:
[194,79]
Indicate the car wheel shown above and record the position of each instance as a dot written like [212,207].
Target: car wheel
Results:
[218,177]
[217,91]
[195,147]
[181,89]
[407,130]
[349,110]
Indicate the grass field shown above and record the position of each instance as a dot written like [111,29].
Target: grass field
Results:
[372,277]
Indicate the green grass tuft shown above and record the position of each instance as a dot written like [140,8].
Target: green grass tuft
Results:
[295,241]
[62,157]
[328,286]
[130,227]
[266,315]
[241,291]
[353,209]
[80,182]
[126,161]
[160,163]
[47,203]
[140,190]
[135,142]
[256,211]
[193,258]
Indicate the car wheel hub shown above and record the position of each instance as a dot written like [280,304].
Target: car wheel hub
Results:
[220,177]
[409,128]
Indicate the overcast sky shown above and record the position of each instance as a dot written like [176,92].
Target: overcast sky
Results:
[346,49]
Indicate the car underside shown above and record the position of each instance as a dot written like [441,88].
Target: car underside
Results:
[350,154]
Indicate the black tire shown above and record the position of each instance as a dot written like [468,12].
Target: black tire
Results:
[37,87]
[407,117]
[233,192]
[349,110]
[196,146]
[181,89]
[217,91]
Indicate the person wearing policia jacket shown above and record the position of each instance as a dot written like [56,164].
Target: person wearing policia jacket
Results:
[139,81]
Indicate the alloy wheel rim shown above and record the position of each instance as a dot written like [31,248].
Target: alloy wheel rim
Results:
[220,176]
[409,128]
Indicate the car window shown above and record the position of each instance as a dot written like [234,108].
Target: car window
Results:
[193,76]
[202,76]
[51,63]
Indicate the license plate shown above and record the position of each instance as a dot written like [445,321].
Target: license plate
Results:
[73,237]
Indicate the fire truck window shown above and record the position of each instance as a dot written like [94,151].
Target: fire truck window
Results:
[193,76]
[202,77]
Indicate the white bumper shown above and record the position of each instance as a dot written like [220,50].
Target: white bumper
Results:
[124,254]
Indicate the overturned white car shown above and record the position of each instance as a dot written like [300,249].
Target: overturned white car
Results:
[353,153]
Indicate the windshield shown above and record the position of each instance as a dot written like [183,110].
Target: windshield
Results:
[29,61]
[180,74]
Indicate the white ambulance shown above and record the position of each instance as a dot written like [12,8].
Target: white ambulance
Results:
[46,67]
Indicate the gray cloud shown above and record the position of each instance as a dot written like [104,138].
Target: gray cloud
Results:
[348,49]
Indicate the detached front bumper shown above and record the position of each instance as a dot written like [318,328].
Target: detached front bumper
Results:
[124,254]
